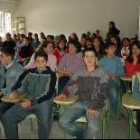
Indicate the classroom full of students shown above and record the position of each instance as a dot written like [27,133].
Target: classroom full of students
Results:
[34,64]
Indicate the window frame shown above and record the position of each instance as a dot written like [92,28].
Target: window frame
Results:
[3,29]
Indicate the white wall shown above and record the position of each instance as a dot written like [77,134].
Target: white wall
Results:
[8,6]
[66,16]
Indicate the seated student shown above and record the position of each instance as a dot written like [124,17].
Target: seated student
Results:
[116,40]
[98,45]
[68,65]
[73,37]
[114,68]
[92,82]
[50,38]
[98,33]
[36,41]
[42,37]
[88,34]
[18,36]
[136,95]
[125,48]
[9,74]
[83,42]
[15,38]
[60,51]
[30,38]
[89,43]
[26,51]
[39,84]
[56,40]
[132,63]
[52,62]
[20,43]
[9,42]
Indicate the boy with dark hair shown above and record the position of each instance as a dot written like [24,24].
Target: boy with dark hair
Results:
[9,43]
[9,74]
[114,68]
[92,83]
[39,84]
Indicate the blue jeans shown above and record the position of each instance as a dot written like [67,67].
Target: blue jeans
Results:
[4,107]
[77,110]
[17,114]
[113,96]
[62,82]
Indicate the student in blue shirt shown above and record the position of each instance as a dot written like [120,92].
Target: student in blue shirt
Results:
[114,69]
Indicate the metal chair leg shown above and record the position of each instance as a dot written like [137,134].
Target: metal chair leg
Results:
[130,123]
[31,125]
[103,128]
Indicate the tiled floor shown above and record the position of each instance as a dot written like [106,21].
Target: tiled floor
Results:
[118,131]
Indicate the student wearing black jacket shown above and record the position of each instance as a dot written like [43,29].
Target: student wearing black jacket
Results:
[9,42]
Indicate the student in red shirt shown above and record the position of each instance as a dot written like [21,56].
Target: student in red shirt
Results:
[60,51]
[133,60]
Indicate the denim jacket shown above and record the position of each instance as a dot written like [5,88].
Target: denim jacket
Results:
[9,76]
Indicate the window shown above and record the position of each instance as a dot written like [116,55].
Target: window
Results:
[5,23]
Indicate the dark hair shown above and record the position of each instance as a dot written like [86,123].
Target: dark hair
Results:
[113,30]
[36,35]
[61,39]
[107,46]
[22,35]
[83,35]
[75,37]
[130,57]
[30,34]
[89,39]
[113,24]
[50,36]
[45,44]
[100,40]
[41,53]
[8,51]
[8,34]
[27,38]
[15,35]
[125,39]
[117,39]
[101,45]
[75,43]
[90,50]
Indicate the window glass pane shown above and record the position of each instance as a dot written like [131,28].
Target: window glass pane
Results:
[5,23]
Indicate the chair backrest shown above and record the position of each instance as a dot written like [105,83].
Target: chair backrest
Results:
[133,81]
[57,83]
[107,105]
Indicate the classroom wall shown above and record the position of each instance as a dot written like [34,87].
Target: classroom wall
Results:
[67,16]
[8,5]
